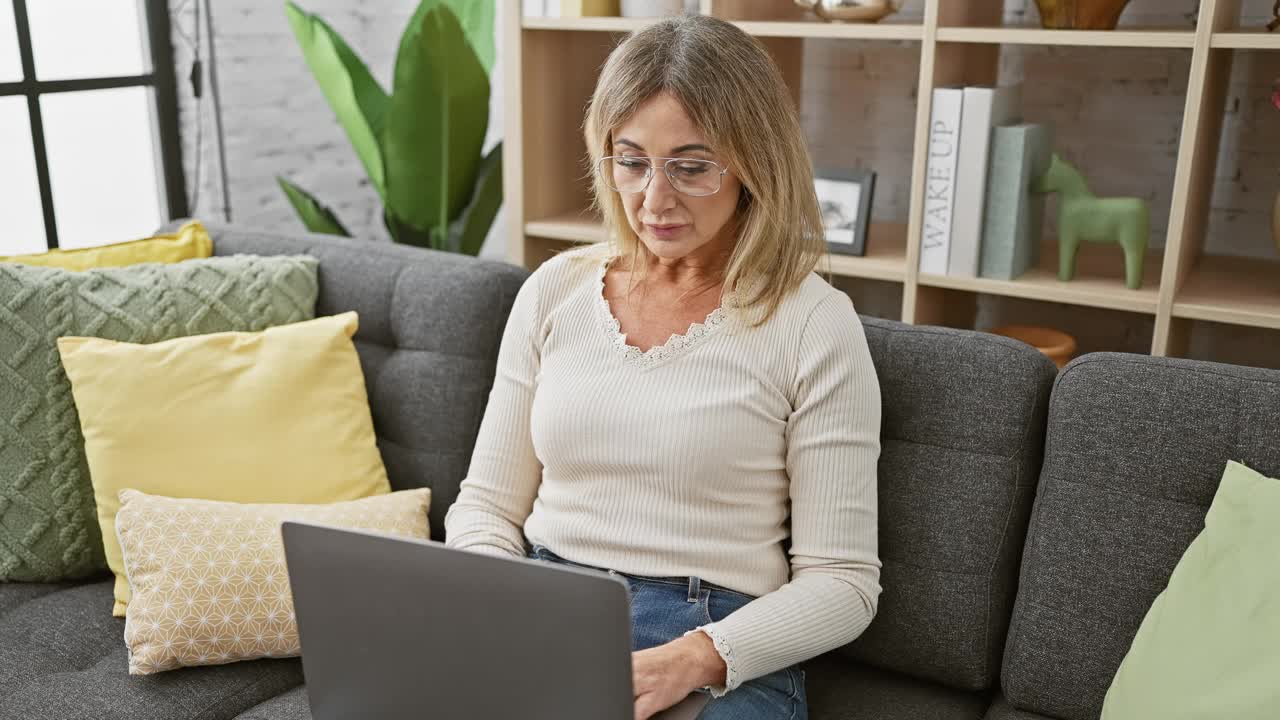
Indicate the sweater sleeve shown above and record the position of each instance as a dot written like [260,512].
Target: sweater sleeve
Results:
[502,481]
[833,446]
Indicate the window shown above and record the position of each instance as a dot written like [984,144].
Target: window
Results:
[89,150]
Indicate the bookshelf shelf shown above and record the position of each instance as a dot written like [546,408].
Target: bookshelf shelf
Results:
[549,74]
[886,257]
[1246,40]
[758,28]
[589,24]
[570,227]
[1238,291]
[1140,38]
[1099,281]
[849,31]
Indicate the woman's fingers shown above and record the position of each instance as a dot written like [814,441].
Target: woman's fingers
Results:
[647,706]
[659,679]
[646,679]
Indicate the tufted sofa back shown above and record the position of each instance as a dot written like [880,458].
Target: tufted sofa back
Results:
[430,324]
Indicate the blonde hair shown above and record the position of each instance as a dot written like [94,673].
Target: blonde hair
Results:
[733,91]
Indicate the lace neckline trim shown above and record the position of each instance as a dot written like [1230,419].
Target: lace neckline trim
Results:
[675,345]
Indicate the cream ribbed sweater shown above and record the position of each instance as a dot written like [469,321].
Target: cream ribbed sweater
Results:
[683,460]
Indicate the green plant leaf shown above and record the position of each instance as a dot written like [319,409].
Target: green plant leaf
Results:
[406,234]
[435,127]
[473,226]
[315,216]
[355,96]
[476,18]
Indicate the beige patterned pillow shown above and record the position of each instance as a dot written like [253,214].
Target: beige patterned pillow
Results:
[209,580]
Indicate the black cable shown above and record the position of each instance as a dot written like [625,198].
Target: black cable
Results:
[197,90]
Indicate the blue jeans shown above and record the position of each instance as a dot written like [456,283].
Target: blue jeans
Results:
[665,608]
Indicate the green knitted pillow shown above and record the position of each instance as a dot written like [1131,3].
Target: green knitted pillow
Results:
[48,529]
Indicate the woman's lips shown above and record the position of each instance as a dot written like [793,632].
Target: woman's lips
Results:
[664,232]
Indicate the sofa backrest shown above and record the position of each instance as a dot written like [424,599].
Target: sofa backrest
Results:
[962,433]
[1136,447]
[430,324]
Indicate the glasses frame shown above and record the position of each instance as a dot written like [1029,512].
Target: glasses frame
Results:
[666,170]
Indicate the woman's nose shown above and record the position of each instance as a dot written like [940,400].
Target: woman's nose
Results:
[659,195]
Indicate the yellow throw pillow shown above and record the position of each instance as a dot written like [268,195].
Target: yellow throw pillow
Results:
[209,580]
[275,416]
[190,242]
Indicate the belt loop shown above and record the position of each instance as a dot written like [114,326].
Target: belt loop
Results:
[695,588]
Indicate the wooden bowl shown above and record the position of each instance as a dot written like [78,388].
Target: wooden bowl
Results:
[1057,345]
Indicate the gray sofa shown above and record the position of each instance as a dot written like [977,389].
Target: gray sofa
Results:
[1027,517]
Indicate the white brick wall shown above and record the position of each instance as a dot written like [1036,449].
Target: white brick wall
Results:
[275,117]
[1118,114]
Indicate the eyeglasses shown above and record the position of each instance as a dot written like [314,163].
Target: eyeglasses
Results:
[689,176]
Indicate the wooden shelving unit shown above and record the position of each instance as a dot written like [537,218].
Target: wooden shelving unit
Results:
[1145,38]
[1099,282]
[550,71]
[1235,291]
[1246,40]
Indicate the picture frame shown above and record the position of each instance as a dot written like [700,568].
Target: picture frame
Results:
[844,197]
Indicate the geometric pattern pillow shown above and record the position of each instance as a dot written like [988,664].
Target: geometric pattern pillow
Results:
[48,526]
[209,581]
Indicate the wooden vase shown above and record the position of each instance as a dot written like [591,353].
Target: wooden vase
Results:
[1057,345]
[1081,14]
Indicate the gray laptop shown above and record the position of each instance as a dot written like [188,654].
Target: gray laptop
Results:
[396,629]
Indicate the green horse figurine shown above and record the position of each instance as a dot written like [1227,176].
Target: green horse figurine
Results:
[1082,216]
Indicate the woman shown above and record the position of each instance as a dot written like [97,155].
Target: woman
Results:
[676,406]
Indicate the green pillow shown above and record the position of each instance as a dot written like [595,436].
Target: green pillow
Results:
[1208,646]
[48,527]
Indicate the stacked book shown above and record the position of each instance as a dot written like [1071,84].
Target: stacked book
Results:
[980,217]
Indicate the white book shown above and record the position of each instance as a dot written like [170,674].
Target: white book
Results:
[984,109]
[940,172]
[551,8]
[534,8]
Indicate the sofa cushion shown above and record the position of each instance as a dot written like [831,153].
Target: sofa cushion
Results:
[430,323]
[1208,643]
[14,594]
[961,437]
[223,595]
[839,689]
[62,656]
[48,528]
[186,243]
[292,705]
[1002,710]
[1135,451]
[277,416]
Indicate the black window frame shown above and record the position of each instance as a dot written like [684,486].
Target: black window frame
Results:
[161,79]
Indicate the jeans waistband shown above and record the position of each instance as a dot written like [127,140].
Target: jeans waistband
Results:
[694,583]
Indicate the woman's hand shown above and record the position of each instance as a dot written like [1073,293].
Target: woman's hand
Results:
[664,675]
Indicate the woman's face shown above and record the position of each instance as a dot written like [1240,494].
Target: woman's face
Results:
[671,224]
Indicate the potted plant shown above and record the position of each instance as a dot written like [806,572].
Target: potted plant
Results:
[421,143]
